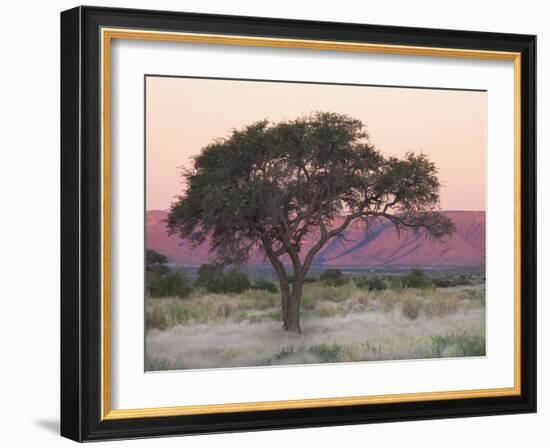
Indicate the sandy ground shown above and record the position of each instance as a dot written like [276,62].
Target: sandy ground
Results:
[364,336]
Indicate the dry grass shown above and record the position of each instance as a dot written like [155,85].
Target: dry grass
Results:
[442,305]
[410,307]
[340,324]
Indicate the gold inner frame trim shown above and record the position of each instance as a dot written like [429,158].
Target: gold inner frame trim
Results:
[107,35]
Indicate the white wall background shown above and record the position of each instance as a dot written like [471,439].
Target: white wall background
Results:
[29,224]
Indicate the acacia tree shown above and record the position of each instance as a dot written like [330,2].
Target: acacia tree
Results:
[270,185]
[155,261]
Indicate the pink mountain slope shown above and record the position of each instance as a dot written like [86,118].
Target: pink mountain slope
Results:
[381,245]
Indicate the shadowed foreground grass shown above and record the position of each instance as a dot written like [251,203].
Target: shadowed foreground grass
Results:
[340,324]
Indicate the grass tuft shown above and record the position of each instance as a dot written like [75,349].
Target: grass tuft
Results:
[410,308]
[441,305]
[327,352]
[154,363]
[458,345]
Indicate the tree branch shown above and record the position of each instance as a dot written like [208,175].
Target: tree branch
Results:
[277,264]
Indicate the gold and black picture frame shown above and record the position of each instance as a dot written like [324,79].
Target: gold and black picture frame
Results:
[207,164]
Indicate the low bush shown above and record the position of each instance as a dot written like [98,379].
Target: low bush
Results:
[416,278]
[214,280]
[331,274]
[395,284]
[171,284]
[443,283]
[265,285]
[305,281]
[235,282]
[209,277]
[373,284]
[333,277]
[461,280]
[156,262]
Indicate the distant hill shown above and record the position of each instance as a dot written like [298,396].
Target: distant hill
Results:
[381,245]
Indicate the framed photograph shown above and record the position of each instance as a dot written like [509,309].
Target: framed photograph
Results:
[272,223]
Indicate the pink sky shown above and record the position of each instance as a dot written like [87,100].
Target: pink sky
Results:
[183,115]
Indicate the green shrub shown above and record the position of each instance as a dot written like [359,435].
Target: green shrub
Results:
[210,277]
[155,261]
[461,280]
[235,282]
[214,280]
[331,274]
[377,284]
[443,283]
[171,284]
[337,281]
[333,277]
[305,281]
[416,278]
[265,285]
[395,283]
[373,284]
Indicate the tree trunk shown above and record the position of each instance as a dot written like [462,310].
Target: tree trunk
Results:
[285,300]
[290,304]
[290,297]
[284,286]
[293,315]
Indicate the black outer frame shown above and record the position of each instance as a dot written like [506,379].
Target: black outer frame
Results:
[80,224]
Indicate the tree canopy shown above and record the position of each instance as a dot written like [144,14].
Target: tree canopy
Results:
[155,261]
[273,184]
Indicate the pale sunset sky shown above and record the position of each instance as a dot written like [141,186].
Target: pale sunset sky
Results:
[183,115]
